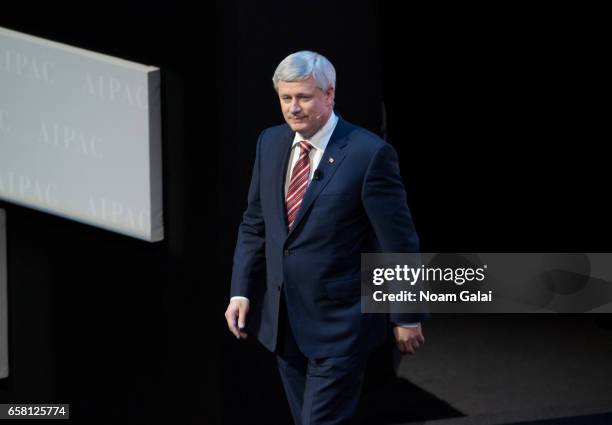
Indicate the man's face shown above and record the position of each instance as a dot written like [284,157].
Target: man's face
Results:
[305,107]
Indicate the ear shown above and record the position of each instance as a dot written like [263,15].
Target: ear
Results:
[330,94]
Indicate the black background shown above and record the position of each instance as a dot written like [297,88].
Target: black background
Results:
[497,116]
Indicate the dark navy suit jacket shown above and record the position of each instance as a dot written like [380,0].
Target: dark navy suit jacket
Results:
[357,205]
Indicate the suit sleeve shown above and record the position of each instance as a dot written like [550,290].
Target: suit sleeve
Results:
[249,255]
[384,200]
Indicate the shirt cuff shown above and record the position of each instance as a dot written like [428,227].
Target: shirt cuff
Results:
[408,325]
[239,297]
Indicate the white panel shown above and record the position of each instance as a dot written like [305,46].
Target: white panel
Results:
[80,135]
[4,371]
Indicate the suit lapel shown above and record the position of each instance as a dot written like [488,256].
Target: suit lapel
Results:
[331,160]
[281,167]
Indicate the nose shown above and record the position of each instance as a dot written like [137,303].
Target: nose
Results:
[295,108]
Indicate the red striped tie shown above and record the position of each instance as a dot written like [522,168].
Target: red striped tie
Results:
[299,182]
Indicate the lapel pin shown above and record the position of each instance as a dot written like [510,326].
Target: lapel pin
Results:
[331,160]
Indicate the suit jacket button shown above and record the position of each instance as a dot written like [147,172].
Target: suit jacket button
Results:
[287,253]
[278,287]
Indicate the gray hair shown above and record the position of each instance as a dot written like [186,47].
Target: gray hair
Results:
[301,65]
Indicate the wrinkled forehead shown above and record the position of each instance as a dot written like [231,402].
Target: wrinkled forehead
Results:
[295,88]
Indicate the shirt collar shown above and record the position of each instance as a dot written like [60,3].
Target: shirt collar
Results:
[320,139]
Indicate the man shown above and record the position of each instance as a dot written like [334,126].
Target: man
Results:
[322,192]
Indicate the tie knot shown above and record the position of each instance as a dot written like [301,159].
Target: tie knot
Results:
[306,146]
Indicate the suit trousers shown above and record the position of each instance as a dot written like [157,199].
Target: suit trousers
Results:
[320,391]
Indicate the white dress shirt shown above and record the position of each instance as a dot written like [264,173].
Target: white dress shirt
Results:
[319,142]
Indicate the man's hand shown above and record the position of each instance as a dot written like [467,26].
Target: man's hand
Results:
[235,315]
[408,339]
